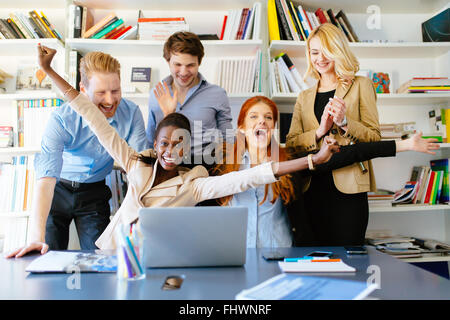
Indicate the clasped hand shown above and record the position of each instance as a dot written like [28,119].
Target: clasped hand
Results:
[334,112]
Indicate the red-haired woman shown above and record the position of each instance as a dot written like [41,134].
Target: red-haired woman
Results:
[269,224]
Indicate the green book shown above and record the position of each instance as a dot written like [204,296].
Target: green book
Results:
[100,34]
[436,185]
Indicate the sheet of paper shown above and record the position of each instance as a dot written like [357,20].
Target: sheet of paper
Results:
[52,261]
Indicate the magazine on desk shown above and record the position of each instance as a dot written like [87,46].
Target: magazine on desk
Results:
[64,261]
[296,287]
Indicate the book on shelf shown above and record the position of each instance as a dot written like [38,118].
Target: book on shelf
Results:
[29,25]
[129,32]
[74,67]
[380,198]
[241,24]
[294,22]
[17,180]
[240,75]
[32,116]
[99,25]
[437,28]
[442,165]
[429,84]
[6,136]
[284,76]
[140,79]
[159,29]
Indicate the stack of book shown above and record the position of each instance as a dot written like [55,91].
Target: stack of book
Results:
[380,198]
[241,24]
[427,185]
[425,85]
[32,117]
[397,131]
[159,29]
[288,21]
[400,246]
[240,75]
[32,26]
[81,25]
[284,76]
[17,184]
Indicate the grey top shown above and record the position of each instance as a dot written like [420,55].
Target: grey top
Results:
[399,280]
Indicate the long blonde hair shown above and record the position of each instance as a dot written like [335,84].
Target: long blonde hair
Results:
[335,47]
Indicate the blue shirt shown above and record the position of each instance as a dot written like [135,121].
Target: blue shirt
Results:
[70,150]
[268,224]
[204,102]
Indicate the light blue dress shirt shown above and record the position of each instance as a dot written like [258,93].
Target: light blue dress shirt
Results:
[204,102]
[268,224]
[70,150]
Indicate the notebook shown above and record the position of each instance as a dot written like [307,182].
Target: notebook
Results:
[316,266]
[64,261]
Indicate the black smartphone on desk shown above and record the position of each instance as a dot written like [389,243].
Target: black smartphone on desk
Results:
[273,256]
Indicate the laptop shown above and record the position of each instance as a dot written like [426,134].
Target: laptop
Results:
[194,236]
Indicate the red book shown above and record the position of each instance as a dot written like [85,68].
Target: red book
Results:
[223,27]
[242,23]
[114,32]
[109,34]
[177,19]
[430,186]
[121,32]
[307,19]
[321,16]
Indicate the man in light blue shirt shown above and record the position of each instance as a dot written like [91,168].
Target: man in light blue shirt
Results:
[186,91]
[72,165]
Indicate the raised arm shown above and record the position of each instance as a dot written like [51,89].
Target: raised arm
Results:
[117,147]
[266,173]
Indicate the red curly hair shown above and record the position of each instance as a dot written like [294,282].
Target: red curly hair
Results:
[283,187]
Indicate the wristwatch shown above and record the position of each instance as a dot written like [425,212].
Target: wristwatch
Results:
[344,122]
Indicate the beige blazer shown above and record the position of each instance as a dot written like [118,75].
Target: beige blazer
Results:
[363,126]
[187,189]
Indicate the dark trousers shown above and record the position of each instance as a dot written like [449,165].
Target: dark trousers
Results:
[336,218]
[87,204]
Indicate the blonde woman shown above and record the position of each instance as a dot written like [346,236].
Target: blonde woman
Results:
[343,106]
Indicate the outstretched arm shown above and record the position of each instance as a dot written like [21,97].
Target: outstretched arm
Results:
[266,173]
[369,150]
